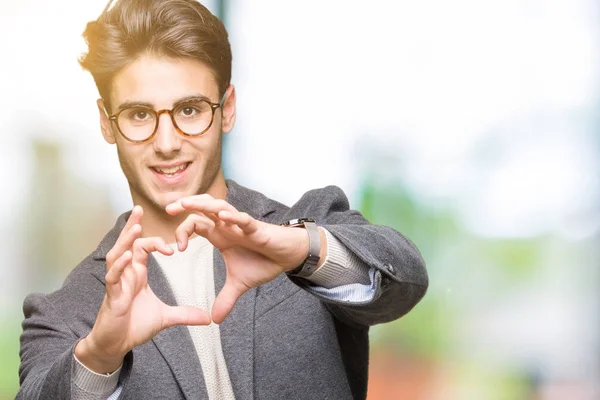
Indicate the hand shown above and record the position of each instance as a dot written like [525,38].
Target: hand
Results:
[130,313]
[254,252]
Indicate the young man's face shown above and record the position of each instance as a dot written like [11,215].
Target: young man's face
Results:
[170,166]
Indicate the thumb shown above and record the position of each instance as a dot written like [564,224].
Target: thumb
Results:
[226,299]
[184,315]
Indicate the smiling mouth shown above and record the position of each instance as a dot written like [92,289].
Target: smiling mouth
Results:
[171,171]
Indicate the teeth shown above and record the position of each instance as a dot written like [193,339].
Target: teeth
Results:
[170,171]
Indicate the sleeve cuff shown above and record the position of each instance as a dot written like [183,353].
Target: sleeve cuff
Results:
[341,267]
[91,382]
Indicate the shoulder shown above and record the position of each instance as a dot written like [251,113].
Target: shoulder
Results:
[315,203]
[251,201]
[87,274]
[328,204]
[326,197]
[78,298]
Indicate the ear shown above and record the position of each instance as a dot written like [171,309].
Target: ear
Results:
[105,124]
[229,110]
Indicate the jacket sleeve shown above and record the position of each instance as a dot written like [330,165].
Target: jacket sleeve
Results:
[47,346]
[399,275]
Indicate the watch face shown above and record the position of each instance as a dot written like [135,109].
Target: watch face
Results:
[297,222]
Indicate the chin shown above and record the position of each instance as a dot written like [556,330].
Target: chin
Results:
[171,197]
[159,201]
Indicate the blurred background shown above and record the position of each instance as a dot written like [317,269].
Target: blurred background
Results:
[470,126]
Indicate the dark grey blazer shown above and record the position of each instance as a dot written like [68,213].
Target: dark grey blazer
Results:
[280,342]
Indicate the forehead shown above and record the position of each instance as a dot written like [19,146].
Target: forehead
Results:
[163,81]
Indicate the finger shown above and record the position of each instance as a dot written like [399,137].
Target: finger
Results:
[243,220]
[128,281]
[213,217]
[136,276]
[184,315]
[205,204]
[137,212]
[226,299]
[113,276]
[135,217]
[176,207]
[194,223]
[141,250]
[142,247]
[124,242]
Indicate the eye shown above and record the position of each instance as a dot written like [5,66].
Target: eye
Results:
[141,115]
[192,110]
[137,114]
[189,111]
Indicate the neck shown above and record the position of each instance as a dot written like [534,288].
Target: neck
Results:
[157,223]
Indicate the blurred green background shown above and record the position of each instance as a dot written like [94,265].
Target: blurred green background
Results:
[471,127]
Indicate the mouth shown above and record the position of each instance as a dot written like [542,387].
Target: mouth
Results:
[170,172]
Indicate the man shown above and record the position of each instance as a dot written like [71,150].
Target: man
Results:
[291,291]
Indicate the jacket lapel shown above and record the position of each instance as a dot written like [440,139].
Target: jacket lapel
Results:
[175,343]
[237,336]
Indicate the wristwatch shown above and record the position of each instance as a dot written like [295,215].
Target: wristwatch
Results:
[314,246]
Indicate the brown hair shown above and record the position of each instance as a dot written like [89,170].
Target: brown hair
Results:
[174,28]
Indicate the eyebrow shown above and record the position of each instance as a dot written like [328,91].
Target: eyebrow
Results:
[129,104]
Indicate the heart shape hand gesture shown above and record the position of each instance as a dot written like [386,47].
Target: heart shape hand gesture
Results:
[254,252]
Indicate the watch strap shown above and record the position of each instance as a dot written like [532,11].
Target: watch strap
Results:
[311,261]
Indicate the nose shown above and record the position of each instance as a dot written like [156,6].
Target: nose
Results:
[167,140]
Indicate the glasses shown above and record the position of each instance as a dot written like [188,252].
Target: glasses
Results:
[139,124]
